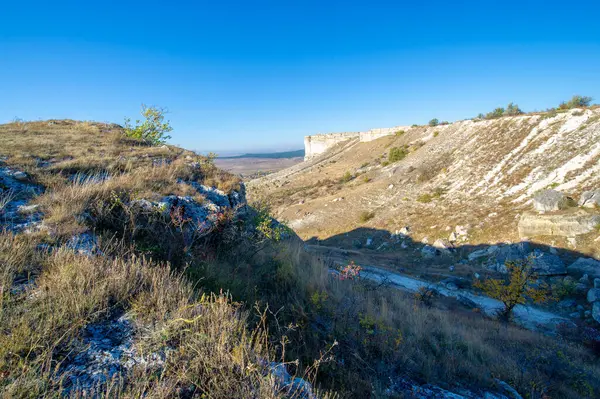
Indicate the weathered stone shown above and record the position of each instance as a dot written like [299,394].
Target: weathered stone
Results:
[481,253]
[581,288]
[567,303]
[404,231]
[549,200]
[596,311]
[513,252]
[593,295]
[442,245]
[597,283]
[461,230]
[590,199]
[428,252]
[588,266]
[453,237]
[546,264]
[571,225]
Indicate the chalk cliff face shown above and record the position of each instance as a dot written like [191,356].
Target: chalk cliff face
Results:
[463,171]
[320,143]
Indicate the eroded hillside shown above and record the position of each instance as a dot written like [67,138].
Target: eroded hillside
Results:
[476,173]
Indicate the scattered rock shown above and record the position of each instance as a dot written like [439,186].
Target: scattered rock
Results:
[107,350]
[513,252]
[590,199]
[588,266]
[549,201]
[462,230]
[443,245]
[428,252]
[292,387]
[404,231]
[593,295]
[596,311]
[408,389]
[369,242]
[567,303]
[546,264]
[597,283]
[85,244]
[483,252]
[581,289]
[585,279]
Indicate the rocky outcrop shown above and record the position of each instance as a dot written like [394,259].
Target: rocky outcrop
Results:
[585,266]
[16,214]
[411,389]
[495,258]
[590,199]
[593,296]
[549,201]
[564,225]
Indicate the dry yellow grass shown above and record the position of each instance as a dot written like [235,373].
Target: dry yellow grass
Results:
[200,311]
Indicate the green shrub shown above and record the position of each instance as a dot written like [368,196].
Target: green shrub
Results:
[576,101]
[366,216]
[347,177]
[512,110]
[497,113]
[153,130]
[436,133]
[400,133]
[414,125]
[397,154]
[444,123]
[425,198]
[434,122]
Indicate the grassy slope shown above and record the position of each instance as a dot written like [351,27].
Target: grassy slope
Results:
[217,346]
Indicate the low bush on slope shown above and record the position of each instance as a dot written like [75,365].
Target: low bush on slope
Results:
[206,316]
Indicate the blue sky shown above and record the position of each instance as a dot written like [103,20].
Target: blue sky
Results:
[251,76]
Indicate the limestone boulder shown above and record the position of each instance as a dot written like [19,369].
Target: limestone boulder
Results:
[593,295]
[590,199]
[546,264]
[568,225]
[582,266]
[428,252]
[443,245]
[596,311]
[550,200]
[513,252]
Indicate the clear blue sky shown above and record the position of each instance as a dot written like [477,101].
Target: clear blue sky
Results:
[259,75]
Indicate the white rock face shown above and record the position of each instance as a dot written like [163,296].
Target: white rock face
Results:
[590,199]
[567,225]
